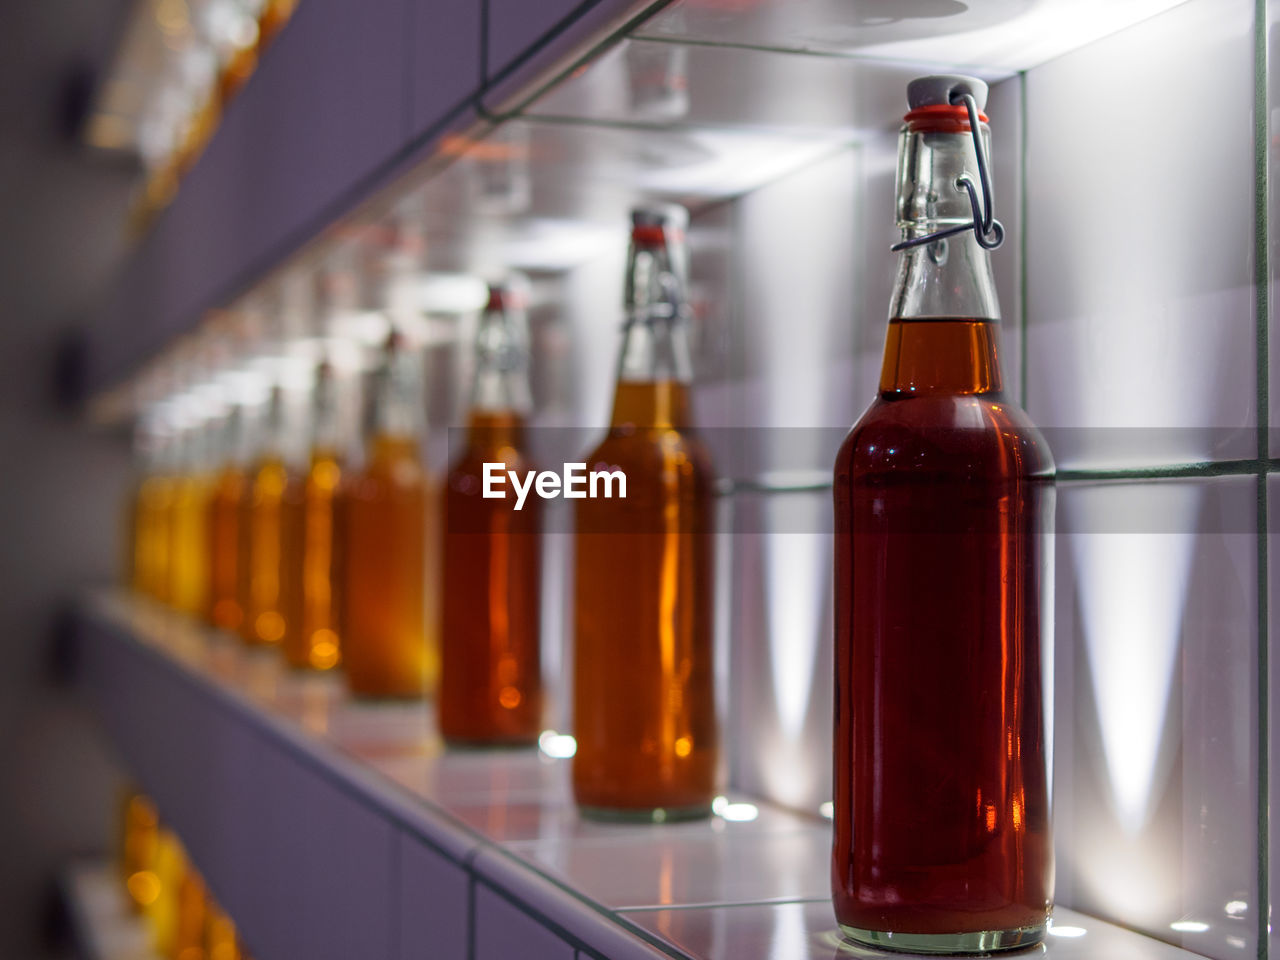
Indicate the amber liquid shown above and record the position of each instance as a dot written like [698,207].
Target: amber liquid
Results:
[273,19]
[188,549]
[224,610]
[220,940]
[152,538]
[141,836]
[189,925]
[308,586]
[943,498]
[261,550]
[644,698]
[383,623]
[490,670]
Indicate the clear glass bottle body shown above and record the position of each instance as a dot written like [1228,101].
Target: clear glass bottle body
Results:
[384,521]
[310,584]
[944,517]
[490,654]
[643,684]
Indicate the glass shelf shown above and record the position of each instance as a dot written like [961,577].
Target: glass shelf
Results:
[748,884]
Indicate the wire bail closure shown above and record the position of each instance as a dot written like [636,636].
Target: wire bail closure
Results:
[988,231]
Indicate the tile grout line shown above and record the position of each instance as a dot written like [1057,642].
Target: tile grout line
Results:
[1262,317]
[718,905]
[1201,469]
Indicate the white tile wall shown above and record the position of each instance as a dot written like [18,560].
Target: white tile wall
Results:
[1140,242]
[1156,718]
[779,730]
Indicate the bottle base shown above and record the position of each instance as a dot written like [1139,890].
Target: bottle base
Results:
[644,814]
[979,942]
[489,744]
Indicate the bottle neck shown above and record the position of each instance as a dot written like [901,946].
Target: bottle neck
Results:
[238,442]
[943,335]
[398,397]
[326,431]
[501,383]
[275,428]
[950,277]
[654,366]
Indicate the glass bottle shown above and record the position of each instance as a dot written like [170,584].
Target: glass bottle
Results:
[139,558]
[490,668]
[260,535]
[162,913]
[221,941]
[309,585]
[944,513]
[643,689]
[384,521]
[154,517]
[141,837]
[274,17]
[188,547]
[190,916]
[224,609]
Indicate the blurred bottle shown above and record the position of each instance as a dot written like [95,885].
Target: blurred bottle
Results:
[490,670]
[224,610]
[384,506]
[154,516]
[644,703]
[275,14]
[190,916]
[239,41]
[188,533]
[138,848]
[308,579]
[260,532]
[136,531]
[221,941]
[163,912]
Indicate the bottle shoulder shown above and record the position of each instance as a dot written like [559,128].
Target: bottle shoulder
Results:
[955,435]
[470,462]
[653,451]
[388,471]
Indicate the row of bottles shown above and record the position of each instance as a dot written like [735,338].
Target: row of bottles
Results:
[212,48]
[162,886]
[328,563]
[943,503]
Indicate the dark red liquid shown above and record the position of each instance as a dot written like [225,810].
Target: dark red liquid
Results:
[943,499]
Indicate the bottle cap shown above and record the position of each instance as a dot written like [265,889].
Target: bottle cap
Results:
[937,90]
[657,223]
